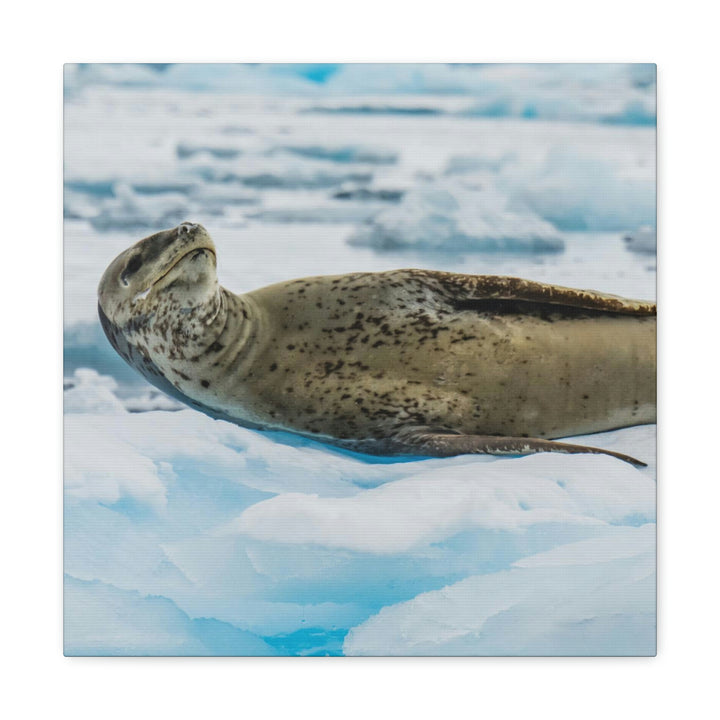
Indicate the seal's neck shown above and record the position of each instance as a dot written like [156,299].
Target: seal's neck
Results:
[225,323]
[188,329]
[237,325]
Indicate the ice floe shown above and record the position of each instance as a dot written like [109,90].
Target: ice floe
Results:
[343,154]
[642,241]
[455,217]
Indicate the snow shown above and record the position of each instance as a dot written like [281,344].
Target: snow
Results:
[187,535]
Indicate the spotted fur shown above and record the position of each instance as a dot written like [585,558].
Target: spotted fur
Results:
[406,361]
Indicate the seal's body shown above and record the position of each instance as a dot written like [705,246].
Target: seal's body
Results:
[400,362]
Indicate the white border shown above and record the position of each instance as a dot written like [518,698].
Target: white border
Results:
[38,680]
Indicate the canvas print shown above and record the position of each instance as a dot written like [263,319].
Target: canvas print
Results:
[359,359]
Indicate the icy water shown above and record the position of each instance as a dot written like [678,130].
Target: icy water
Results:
[189,536]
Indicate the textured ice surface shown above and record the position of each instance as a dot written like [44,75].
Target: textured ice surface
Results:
[429,506]
[103,620]
[592,597]
[278,535]
[186,535]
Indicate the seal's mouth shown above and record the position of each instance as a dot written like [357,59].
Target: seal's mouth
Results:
[192,253]
[195,252]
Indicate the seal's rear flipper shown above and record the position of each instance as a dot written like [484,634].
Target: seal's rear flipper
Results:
[439,442]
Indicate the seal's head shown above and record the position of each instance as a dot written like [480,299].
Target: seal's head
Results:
[165,284]
[180,263]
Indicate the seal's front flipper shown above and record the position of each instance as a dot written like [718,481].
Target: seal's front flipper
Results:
[439,442]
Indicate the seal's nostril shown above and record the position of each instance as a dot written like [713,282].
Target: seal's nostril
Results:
[186,227]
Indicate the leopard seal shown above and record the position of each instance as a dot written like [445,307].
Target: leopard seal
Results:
[405,362]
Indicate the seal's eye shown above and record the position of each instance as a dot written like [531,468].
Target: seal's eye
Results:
[133,266]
